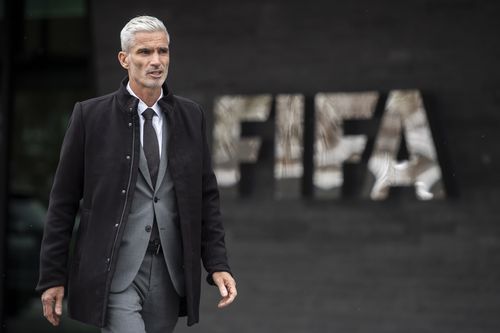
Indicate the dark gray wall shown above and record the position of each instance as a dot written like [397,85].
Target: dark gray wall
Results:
[448,49]
[349,266]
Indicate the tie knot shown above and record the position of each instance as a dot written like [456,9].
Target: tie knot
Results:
[148,113]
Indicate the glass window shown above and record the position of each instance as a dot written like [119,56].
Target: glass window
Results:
[52,63]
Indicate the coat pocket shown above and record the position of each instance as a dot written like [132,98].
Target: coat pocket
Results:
[81,234]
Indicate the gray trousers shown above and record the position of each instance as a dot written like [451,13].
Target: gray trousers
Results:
[150,304]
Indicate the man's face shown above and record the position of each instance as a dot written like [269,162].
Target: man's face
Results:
[147,60]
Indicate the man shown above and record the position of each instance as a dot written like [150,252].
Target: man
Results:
[137,164]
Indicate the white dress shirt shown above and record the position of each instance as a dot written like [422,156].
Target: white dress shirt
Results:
[157,121]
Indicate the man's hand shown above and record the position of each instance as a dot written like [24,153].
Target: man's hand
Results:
[227,288]
[52,304]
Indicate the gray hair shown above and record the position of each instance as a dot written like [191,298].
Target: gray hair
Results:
[140,24]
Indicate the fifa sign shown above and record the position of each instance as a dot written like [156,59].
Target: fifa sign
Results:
[402,125]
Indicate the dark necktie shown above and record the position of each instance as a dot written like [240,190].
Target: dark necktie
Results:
[152,152]
[150,144]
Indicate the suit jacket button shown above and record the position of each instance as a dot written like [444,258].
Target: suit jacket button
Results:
[155,199]
[148,228]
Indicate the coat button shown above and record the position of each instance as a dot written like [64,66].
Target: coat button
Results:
[155,199]
[148,228]
[116,225]
[127,157]
[123,191]
[129,124]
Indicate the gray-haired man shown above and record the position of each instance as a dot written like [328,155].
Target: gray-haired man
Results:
[138,161]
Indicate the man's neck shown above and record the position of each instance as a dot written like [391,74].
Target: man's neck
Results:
[148,95]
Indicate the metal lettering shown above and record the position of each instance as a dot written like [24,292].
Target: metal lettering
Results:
[332,148]
[404,113]
[288,167]
[229,148]
[404,117]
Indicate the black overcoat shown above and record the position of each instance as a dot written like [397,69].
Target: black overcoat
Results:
[97,172]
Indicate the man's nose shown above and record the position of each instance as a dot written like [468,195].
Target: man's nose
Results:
[155,58]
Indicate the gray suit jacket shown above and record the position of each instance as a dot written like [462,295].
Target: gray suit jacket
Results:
[147,203]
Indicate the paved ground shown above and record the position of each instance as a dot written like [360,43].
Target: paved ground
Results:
[351,267]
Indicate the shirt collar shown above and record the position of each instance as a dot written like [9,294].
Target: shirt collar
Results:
[142,106]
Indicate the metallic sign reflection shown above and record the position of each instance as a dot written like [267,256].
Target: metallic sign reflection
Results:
[405,114]
[229,148]
[404,117]
[332,148]
[288,167]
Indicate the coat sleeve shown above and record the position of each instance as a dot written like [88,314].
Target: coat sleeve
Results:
[63,206]
[213,248]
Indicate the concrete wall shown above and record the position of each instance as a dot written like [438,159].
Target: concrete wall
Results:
[349,265]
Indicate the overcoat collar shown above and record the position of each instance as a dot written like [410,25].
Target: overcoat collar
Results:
[129,103]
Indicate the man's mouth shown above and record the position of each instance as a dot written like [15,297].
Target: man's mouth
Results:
[155,73]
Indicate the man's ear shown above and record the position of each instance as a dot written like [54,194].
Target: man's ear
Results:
[123,59]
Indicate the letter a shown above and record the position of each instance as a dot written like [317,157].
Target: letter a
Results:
[405,111]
